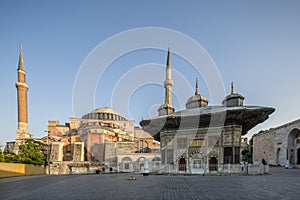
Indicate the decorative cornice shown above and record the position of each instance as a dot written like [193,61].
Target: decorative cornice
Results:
[22,71]
[20,84]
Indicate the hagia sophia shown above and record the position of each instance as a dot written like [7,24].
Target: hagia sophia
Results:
[201,139]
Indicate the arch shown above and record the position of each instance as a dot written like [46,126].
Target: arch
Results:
[156,159]
[182,164]
[298,156]
[292,152]
[277,156]
[127,163]
[141,159]
[213,164]
[126,159]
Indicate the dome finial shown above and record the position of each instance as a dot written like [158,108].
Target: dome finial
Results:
[196,92]
[232,87]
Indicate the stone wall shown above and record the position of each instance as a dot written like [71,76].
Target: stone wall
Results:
[273,145]
[264,148]
[135,161]
[55,129]
[78,152]
[17,169]
[56,151]
[71,167]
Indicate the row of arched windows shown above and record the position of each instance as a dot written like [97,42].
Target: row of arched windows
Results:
[104,116]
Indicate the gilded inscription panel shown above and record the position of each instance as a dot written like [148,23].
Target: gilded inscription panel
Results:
[197,143]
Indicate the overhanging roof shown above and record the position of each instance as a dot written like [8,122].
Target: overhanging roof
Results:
[246,116]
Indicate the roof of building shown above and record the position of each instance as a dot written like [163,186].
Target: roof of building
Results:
[213,110]
[198,98]
[246,116]
[262,132]
[106,110]
[141,134]
[96,114]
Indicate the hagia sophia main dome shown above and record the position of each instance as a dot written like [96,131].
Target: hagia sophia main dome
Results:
[104,113]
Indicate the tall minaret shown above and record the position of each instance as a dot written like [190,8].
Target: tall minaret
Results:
[167,108]
[22,88]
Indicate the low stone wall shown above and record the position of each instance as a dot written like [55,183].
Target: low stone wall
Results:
[221,169]
[17,169]
[71,167]
[258,169]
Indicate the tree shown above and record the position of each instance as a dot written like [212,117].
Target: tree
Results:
[1,154]
[32,152]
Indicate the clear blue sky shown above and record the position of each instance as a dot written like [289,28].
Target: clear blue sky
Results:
[256,44]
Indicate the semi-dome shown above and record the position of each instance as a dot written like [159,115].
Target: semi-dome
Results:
[197,100]
[104,113]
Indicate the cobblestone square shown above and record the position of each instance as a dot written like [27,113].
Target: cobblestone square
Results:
[281,184]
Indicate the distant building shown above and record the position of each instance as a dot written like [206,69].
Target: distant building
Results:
[278,146]
[202,138]
[102,136]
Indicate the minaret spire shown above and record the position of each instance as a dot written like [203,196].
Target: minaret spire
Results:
[167,107]
[168,57]
[196,92]
[21,60]
[232,87]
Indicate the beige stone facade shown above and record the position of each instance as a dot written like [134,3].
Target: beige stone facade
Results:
[278,146]
[202,150]
[102,136]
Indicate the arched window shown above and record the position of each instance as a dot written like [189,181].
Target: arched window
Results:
[126,163]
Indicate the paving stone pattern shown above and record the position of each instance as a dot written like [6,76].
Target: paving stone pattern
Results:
[281,184]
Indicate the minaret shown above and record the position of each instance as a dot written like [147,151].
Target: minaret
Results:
[22,88]
[167,108]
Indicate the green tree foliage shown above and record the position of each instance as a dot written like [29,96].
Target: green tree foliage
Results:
[248,151]
[29,153]
[32,153]
[9,157]
[1,154]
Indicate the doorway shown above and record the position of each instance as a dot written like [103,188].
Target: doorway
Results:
[182,164]
[298,156]
[213,164]
[277,156]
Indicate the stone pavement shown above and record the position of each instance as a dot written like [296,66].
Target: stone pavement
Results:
[282,184]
